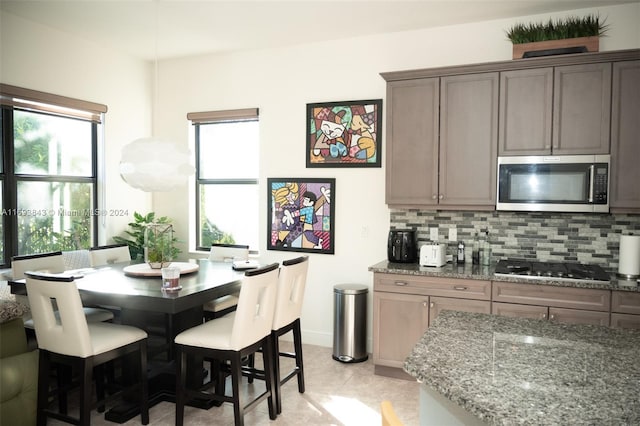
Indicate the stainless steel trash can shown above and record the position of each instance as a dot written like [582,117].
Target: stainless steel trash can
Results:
[350,322]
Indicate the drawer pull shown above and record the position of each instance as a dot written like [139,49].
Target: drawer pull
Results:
[460,287]
[400,283]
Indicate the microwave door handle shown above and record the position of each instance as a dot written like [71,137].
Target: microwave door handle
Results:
[591,177]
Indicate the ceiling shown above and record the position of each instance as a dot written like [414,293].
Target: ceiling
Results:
[163,29]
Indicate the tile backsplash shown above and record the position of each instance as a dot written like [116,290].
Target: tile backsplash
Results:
[585,238]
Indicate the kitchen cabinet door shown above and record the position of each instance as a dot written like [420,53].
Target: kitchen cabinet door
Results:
[582,109]
[625,138]
[468,140]
[399,321]
[526,100]
[439,304]
[412,142]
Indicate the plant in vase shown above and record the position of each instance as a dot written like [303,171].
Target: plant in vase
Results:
[159,246]
[136,233]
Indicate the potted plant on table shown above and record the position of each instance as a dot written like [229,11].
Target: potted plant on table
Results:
[571,35]
[153,236]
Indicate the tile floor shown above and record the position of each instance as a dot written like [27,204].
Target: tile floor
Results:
[336,394]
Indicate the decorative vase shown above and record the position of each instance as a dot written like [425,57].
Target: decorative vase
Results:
[556,47]
[158,245]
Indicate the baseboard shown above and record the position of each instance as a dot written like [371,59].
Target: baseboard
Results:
[396,373]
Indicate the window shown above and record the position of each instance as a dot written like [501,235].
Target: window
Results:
[49,169]
[226,177]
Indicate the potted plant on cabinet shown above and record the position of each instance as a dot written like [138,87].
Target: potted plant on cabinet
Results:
[571,35]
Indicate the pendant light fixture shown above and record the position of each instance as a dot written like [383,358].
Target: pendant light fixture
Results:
[151,164]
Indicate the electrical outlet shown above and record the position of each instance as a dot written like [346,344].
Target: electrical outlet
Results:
[453,234]
[433,234]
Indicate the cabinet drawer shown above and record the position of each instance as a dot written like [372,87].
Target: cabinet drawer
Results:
[439,304]
[515,310]
[626,302]
[625,321]
[578,316]
[560,297]
[433,286]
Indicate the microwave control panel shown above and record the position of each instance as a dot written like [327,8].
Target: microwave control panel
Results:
[600,184]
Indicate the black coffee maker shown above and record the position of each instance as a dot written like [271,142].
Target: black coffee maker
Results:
[401,246]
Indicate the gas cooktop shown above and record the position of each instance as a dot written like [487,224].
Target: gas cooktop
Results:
[551,270]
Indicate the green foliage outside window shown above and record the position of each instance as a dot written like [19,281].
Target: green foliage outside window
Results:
[212,234]
[36,233]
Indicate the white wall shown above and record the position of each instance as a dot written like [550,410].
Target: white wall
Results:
[40,58]
[280,82]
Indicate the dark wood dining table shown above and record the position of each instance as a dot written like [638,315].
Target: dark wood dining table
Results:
[138,298]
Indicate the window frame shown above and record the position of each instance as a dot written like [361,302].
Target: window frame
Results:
[15,98]
[215,117]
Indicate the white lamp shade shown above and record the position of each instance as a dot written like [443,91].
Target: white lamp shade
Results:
[153,165]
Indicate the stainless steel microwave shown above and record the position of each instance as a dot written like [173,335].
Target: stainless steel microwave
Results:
[556,183]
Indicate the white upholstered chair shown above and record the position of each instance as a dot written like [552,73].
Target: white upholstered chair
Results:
[290,295]
[228,252]
[52,262]
[68,339]
[225,304]
[231,338]
[106,255]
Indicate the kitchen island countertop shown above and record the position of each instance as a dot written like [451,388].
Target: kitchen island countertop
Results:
[479,272]
[508,371]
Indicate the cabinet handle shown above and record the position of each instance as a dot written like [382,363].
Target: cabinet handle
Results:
[552,317]
[401,283]
[441,196]
[460,287]
[544,316]
[430,305]
[434,197]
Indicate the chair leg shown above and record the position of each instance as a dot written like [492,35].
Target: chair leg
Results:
[44,365]
[100,385]
[181,382]
[297,342]
[268,359]
[251,362]
[86,368]
[275,353]
[64,376]
[236,376]
[221,379]
[144,385]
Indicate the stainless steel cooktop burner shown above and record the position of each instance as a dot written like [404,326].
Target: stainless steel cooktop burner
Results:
[551,270]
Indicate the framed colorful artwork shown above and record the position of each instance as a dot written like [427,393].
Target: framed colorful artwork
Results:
[301,214]
[344,134]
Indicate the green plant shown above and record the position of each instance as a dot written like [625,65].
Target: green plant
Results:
[571,27]
[136,234]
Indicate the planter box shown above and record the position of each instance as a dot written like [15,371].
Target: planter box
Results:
[556,47]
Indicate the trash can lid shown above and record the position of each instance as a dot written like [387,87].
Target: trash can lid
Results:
[350,289]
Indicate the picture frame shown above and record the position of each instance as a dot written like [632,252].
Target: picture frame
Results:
[301,214]
[344,134]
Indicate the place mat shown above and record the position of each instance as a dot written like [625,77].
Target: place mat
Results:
[144,270]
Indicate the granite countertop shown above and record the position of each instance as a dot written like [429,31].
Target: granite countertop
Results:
[509,371]
[479,272]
